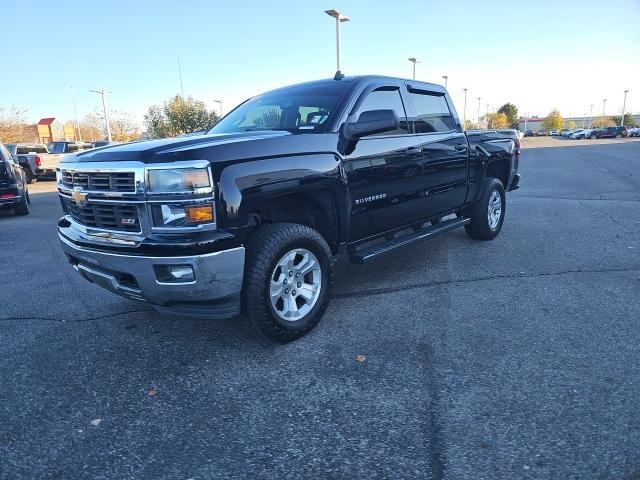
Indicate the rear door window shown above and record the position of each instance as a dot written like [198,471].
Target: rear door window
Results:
[432,113]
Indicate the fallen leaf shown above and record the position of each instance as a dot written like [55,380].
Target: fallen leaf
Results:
[360,358]
[96,421]
[152,392]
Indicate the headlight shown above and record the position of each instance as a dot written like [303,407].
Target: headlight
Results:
[182,215]
[178,180]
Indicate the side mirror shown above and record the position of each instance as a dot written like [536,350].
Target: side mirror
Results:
[370,123]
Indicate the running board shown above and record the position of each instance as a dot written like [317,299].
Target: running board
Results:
[366,254]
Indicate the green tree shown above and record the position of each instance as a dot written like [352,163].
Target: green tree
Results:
[178,116]
[629,120]
[511,111]
[554,121]
[571,125]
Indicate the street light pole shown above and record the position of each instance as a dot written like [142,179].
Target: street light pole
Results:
[219,102]
[464,112]
[479,98]
[75,113]
[604,103]
[590,115]
[446,78]
[339,18]
[624,104]
[180,77]
[104,109]
[414,60]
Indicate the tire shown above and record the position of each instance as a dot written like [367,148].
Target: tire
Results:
[289,244]
[22,207]
[618,135]
[482,226]
[30,177]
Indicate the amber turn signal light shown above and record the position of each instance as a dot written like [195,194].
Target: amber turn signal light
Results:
[199,214]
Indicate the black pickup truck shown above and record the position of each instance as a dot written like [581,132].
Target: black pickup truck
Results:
[248,217]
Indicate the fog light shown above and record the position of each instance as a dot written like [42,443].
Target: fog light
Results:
[181,272]
[174,273]
[200,214]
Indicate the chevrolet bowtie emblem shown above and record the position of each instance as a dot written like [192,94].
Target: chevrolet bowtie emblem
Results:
[78,197]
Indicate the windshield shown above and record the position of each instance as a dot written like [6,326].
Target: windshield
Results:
[304,109]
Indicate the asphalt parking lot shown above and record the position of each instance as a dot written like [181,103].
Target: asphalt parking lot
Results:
[516,358]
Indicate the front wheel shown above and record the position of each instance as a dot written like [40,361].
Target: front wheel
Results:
[288,280]
[487,215]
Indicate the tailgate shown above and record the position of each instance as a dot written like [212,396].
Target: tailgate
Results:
[49,161]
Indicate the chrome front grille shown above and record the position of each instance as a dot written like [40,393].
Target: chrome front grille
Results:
[118,217]
[100,181]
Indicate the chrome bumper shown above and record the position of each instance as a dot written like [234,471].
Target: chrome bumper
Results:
[217,276]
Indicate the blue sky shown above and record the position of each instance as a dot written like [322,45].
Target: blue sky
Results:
[536,54]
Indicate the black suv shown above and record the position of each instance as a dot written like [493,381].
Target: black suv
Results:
[610,132]
[13,184]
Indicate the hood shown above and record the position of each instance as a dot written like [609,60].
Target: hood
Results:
[214,147]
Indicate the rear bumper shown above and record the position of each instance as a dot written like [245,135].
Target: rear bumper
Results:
[214,291]
[9,196]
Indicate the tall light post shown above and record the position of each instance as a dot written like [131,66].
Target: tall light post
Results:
[219,102]
[445,78]
[590,115]
[464,112]
[180,77]
[414,60]
[102,93]
[479,98]
[604,104]
[75,113]
[624,104]
[339,19]
[525,122]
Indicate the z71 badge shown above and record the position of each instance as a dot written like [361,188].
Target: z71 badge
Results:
[379,196]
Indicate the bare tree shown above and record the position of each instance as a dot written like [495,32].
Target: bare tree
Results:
[13,126]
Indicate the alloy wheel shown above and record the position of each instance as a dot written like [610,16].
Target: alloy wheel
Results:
[295,284]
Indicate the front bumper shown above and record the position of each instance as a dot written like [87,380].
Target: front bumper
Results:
[214,291]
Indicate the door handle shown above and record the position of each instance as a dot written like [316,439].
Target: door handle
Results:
[460,147]
[413,150]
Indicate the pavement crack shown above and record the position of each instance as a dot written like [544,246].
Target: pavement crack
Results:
[608,214]
[437,283]
[80,320]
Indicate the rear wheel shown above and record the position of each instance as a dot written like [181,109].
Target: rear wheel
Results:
[487,215]
[22,207]
[30,177]
[288,280]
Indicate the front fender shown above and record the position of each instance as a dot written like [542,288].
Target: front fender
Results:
[246,184]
